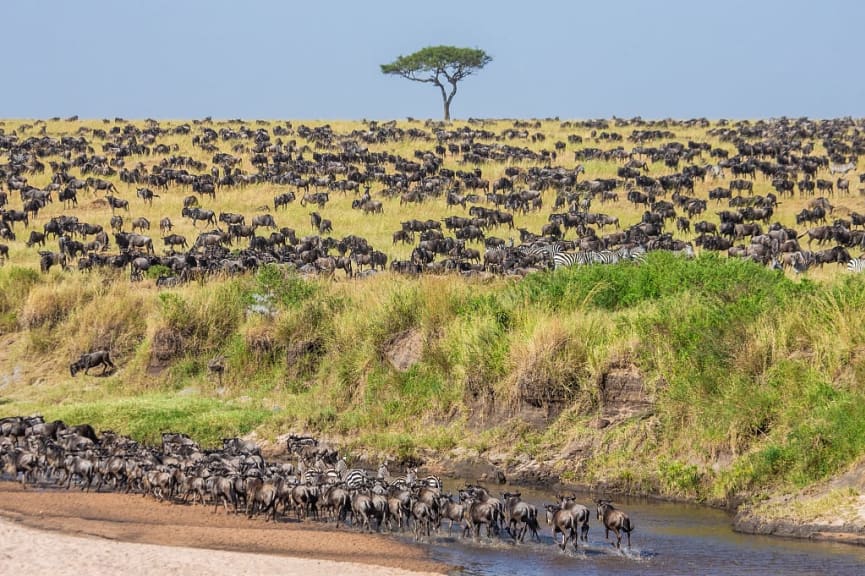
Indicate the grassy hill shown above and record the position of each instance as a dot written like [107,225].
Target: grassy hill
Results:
[714,379]
[746,380]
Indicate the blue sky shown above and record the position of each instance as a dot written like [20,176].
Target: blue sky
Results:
[320,60]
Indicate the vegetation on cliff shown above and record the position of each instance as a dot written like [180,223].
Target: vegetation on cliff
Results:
[707,379]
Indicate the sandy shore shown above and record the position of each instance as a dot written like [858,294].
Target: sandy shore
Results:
[70,533]
[29,551]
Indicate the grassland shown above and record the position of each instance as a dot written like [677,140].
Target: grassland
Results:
[756,379]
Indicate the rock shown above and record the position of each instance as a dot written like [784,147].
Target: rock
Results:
[404,350]
[623,393]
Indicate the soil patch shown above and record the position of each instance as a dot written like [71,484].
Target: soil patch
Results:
[132,518]
[404,350]
[623,392]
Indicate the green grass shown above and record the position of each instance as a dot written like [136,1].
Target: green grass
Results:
[145,417]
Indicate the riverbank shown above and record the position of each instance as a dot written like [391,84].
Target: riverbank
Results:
[685,379]
[829,511]
[86,533]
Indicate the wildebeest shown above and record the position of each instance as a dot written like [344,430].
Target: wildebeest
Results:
[569,519]
[68,196]
[283,199]
[141,223]
[518,511]
[117,203]
[231,218]
[263,220]
[175,240]
[91,360]
[36,238]
[127,240]
[165,225]
[13,216]
[615,520]
[196,214]
[146,194]
[49,259]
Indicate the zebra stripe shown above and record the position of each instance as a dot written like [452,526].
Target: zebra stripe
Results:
[355,478]
[407,481]
[605,257]
[330,476]
[311,477]
[856,265]
[565,259]
[431,482]
[636,253]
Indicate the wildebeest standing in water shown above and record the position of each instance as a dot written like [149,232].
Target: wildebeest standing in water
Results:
[92,360]
[615,520]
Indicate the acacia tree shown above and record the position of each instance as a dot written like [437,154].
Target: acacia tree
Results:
[438,65]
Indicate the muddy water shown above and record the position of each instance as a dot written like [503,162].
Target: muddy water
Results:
[668,539]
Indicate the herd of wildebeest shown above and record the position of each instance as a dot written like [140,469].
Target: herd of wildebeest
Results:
[684,193]
[312,482]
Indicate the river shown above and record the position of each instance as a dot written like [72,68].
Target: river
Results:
[668,539]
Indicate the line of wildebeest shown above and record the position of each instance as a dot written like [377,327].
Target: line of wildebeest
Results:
[321,166]
[313,482]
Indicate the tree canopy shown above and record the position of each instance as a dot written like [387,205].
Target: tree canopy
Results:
[438,65]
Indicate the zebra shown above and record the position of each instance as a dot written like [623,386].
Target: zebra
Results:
[856,265]
[355,478]
[431,481]
[311,477]
[841,168]
[544,250]
[566,259]
[687,252]
[635,253]
[330,476]
[406,481]
[605,257]
[715,171]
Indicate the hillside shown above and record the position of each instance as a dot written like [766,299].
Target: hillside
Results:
[715,379]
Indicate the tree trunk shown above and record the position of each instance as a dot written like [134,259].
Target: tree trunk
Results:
[446,100]
[449,99]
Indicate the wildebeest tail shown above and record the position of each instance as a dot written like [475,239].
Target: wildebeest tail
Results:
[627,526]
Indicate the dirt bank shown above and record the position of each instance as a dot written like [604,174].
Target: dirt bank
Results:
[832,510]
[134,519]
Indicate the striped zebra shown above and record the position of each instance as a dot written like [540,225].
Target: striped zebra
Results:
[856,265]
[431,482]
[841,168]
[539,250]
[605,257]
[329,477]
[407,481]
[635,253]
[566,259]
[585,257]
[311,477]
[355,478]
